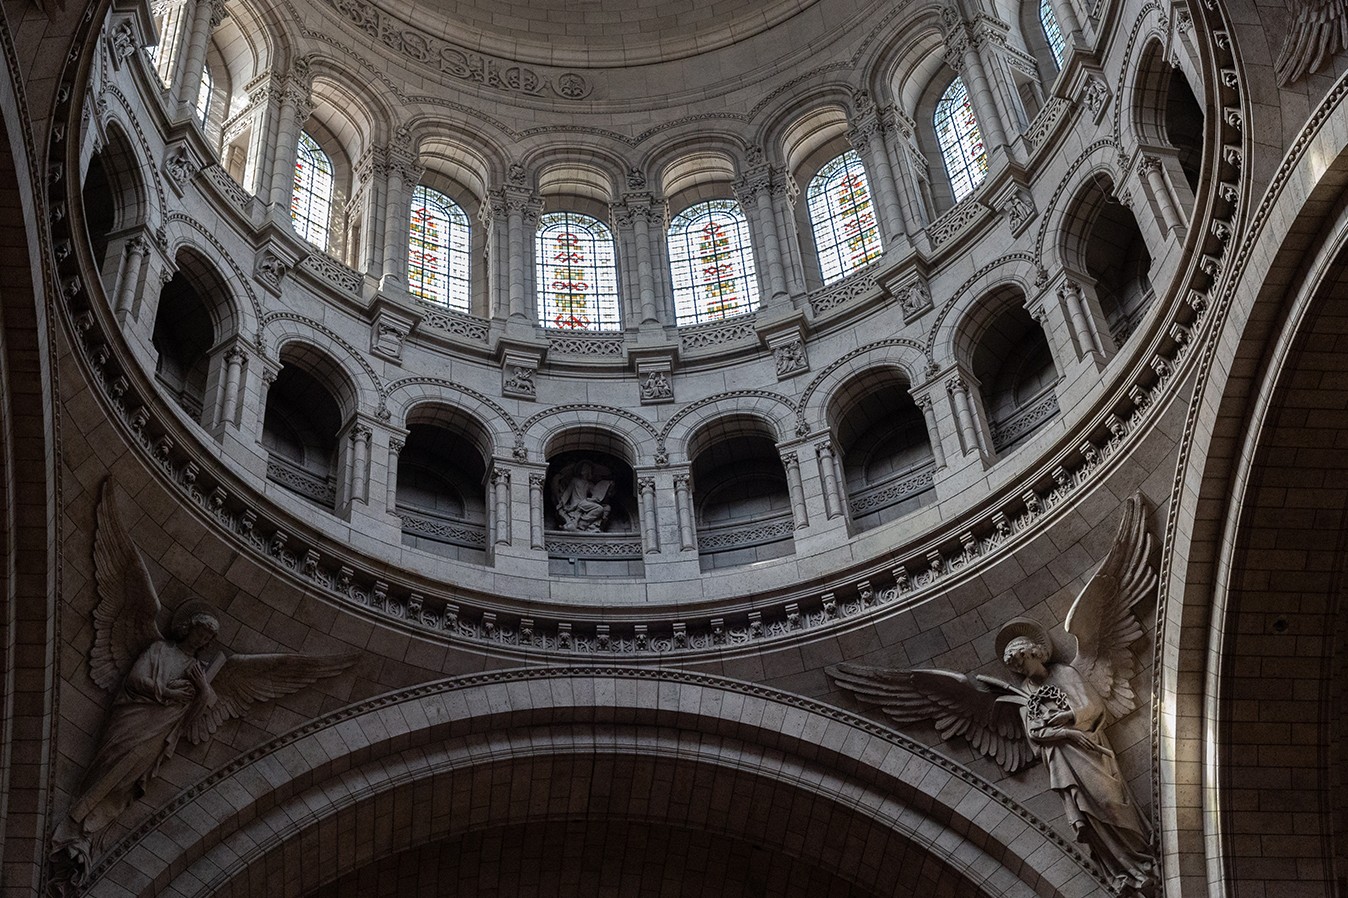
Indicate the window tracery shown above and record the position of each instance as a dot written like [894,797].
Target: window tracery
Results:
[311,202]
[577,273]
[711,263]
[842,216]
[961,142]
[438,257]
[1052,31]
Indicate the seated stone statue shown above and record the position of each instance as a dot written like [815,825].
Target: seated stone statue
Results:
[581,494]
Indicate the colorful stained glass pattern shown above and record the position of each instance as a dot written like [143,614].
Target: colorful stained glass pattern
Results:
[311,203]
[712,263]
[842,215]
[577,273]
[438,250]
[961,143]
[1049,20]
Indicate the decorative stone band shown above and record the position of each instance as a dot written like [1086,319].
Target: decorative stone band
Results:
[330,271]
[1046,121]
[843,292]
[576,343]
[596,545]
[905,485]
[443,529]
[458,324]
[1025,419]
[956,220]
[702,336]
[297,480]
[743,536]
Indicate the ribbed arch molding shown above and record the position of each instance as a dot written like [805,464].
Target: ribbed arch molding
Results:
[493,749]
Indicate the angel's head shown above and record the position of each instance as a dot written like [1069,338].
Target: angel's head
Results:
[1023,654]
[195,631]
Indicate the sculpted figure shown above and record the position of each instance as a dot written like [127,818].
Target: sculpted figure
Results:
[1059,712]
[165,690]
[581,496]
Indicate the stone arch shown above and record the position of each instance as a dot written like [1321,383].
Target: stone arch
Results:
[592,437]
[739,422]
[241,834]
[900,354]
[182,232]
[328,368]
[787,111]
[955,316]
[123,170]
[364,390]
[408,395]
[776,412]
[444,414]
[633,434]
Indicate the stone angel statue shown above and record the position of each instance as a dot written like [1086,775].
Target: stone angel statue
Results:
[1316,31]
[164,689]
[1059,712]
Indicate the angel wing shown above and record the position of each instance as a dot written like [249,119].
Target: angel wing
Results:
[246,679]
[989,718]
[1318,29]
[125,617]
[1103,619]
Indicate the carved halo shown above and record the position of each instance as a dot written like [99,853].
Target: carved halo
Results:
[1023,626]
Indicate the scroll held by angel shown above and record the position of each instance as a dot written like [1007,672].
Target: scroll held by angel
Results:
[166,688]
[1059,711]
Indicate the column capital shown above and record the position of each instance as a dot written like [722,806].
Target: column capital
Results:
[762,178]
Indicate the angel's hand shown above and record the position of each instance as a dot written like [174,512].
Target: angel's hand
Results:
[179,690]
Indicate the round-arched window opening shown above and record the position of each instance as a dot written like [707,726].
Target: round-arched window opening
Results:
[577,273]
[183,336]
[887,460]
[742,504]
[712,263]
[441,493]
[299,431]
[1018,381]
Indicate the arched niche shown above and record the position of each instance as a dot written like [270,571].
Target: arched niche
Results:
[741,499]
[886,453]
[191,317]
[1103,245]
[441,496]
[116,202]
[303,422]
[1011,359]
[1167,116]
[591,519]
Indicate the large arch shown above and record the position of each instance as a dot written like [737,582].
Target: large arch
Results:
[429,756]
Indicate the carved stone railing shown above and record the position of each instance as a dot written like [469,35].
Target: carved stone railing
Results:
[1025,419]
[760,532]
[443,529]
[455,323]
[702,336]
[304,483]
[956,220]
[607,546]
[844,291]
[583,343]
[229,188]
[329,270]
[1046,121]
[902,485]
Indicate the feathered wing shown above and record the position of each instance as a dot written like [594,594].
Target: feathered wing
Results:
[1103,618]
[244,680]
[125,617]
[989,718]
[1316,31]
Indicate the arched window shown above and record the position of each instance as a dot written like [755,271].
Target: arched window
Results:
[711,263]
[577,273]
[1049,20]
[204,95]
[311,203]
[170,23]
[437,250]
[962,149]
[842,217]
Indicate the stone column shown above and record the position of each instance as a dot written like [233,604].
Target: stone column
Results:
[1155,182]
[206,17]
[962,55]
[796,489]
[645,271]
[403,174]
[395,449]
[1068,24]
[264,109]
[358,484]
[867,137]
[975,440]
[924,402]
[536,482]
[370,203]
[228,411]
[492,218]
[650,538]
[521,207]
[295,109]
[834,501]
[133,268]
[683,506]
[755,191]
[500,483]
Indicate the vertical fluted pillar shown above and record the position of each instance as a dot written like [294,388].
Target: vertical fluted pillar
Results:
[645,271]
[1078,314]
[796,489]
[828,473]
[536,481]
[136,249]
[683,505]
[755,191]
[928,407]
[360,464]
[206,16]
[650,536]
[294,110]
[500,482]
[515,253]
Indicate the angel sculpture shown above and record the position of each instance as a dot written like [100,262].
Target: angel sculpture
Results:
[164,690]
[582,495]
[1059,712]
[1318,29]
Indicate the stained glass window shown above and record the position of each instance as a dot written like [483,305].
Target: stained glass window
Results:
[711,263]
[962,149]
[204,95]
[438,250]
[311,203]
[842,215]
[577,273]
[1049,20]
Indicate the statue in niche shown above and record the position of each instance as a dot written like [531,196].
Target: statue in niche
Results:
[1059,711]
[166,689]
[582,496]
